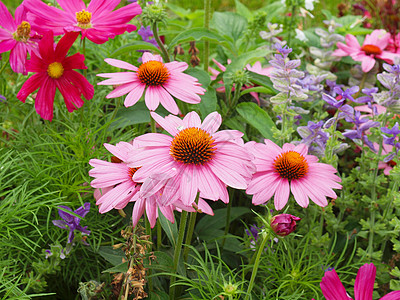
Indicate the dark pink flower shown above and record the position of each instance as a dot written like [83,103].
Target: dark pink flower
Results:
[284,224]
[333,289]
[53,69]
[98,22]
[17,36]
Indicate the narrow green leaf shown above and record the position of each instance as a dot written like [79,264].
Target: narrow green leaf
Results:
[256,117]
[137,45]
[171,229]
[257,89]
[198,34]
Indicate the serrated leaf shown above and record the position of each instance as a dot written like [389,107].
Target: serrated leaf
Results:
[137,45]
[198,34]
[257,117]
[121,268]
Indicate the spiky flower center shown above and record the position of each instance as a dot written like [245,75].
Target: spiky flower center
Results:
[371,49]
[83,18]
[55,70]
[153,73]
[22,32]
[291,165]
[192,146]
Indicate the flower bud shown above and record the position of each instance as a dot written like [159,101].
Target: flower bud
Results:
[284,224]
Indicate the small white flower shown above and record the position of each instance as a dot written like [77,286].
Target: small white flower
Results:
[309,4]
[300,35]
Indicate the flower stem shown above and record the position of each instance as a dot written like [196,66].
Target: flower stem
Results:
[159,232]
[148,232]
[255,267]
[189,233]
[364,77]
[207,13]
[159,43]
[84,54]
[4,65]
[228,217]
[153,125]
[177,252]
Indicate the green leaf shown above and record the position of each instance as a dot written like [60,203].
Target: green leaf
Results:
[262,80]
[137,45]
[121,268]
[229,24]
[256,117]
[162,262]
[218,221]
[274,9]
[237,123]
[113,256]
[257,89]
[242,10]
[197,34]
[201,75]
[169,228]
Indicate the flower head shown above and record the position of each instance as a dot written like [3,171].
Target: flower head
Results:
[70,222]
[55,70]
[196,158]
[157,80]
[373,47]
[17,36]
[333,289]
[281,170]
[284,224]
[98,22]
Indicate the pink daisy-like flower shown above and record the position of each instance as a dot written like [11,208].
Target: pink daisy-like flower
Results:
[16,35]
[333,289]
[55,70]
[290,168]
[160,80]
[98,22]
[373,47]
[115,188]
[195,159]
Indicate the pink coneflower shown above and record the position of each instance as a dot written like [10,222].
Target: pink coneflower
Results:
[16,35]
[333,289]
[195,159]
[98,22]
[372,48]
[281,170]
[115,188]
[160,80]
[55,70]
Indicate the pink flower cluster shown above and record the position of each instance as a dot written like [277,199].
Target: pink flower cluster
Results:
[196,162]
[35,20]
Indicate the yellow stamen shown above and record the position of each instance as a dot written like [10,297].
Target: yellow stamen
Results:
[55,70]
[22,32]
[83,18]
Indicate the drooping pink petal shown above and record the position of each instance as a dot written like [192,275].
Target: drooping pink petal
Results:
[332,287]
[151,98]
[166,100]
[81,83]
[138,210]
[364,285]
[6,20]
[45,99]
[31,85]
[282,194]
[18,58]
[367,63]
[120,64]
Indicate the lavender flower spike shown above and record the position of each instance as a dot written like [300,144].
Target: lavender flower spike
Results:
[70,222]
[394,131]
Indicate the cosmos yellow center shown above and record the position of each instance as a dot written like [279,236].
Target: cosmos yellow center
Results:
[371,49]
[291,165]
[55,70]
[83,18]
[153,73]
[192,146]
[22,32]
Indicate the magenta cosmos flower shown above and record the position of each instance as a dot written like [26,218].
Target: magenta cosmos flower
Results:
[373,47]
[55,70]
[281,170]
[333,289]
[160,80]
[115,188]
[98,22]
[16,35]
[196,158]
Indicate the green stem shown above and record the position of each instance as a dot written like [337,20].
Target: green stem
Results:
[291,23]
[159,43]
[153,125]
[189,233]
[159,232]
[207,13]
[255,267]
[177,252]
[148,232]
[362,83]
[84,54]
[4,65]
[228,217]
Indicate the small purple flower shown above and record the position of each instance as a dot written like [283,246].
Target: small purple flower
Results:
[253,232]
[347,93]
[368,98]
[48,253]
[285,50]
[332,101]
[70,222]
[145,32]
[313,136]
[2,98]
[331,85]
[362,125]
[394,131]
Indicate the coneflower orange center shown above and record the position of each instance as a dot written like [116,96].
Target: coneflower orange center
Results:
[55,70]
[22,32]
[192,146]
[83,18]
[291,165]
[132,171]
[153,73]
[371,49]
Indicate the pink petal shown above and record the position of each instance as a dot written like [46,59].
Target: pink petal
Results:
[31,85]
[364,285]
[101,6]
[147,56]
[332,287]
[65,44]
[282,194]
[45,99]
[299,195]
[266,194]
[120,64]
[6,44]
[167,101]
[46,49]
[227,135]
[138,210]
[134,96]
[6,20]
[119,78]
[122,90]
[352,41]
[176,66]
[72,6]
[367,63]
[227,175]
[151,98]
[212,122]
[189,184]
[192,119]
[81,83]
[18,58]
[392,296]
[151,211]
[168,212]
[154,140]
[171,123]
